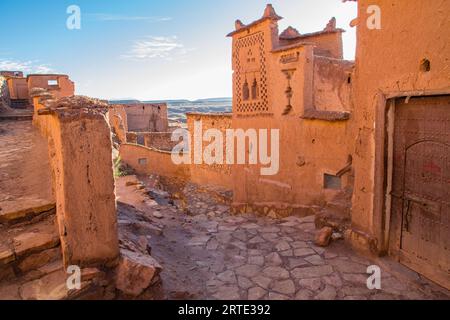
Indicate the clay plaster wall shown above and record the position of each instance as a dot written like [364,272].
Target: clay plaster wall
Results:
[308,148]
[388,63]
[151,161]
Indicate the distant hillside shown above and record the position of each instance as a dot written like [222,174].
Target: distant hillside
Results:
[124,101]
[166,101]
[179,108]
[213,100]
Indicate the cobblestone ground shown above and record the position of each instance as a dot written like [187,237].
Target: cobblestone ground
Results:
[213,255]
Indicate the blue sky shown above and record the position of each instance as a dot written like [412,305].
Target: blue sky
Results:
[147,49]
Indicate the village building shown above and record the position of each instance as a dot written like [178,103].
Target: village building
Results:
[145,124]
[319,93]
[300,85]
[59,85]
[147,117]
[19,87]
[11,74]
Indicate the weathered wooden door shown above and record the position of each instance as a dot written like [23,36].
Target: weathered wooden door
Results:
[421,186]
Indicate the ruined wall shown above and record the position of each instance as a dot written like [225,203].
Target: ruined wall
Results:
[132,138]
[63,87]
[4,93]
[332,84]
[117,118]
[159,140]
[310,146]
[218,173]
[146,117]
[154,140]
[389,62]
[327,44]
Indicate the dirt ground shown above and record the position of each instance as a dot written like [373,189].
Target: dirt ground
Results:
[25,174]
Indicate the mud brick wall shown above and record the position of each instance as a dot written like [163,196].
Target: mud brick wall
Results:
[80,149]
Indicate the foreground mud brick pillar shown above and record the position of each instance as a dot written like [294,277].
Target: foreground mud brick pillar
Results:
[81,159]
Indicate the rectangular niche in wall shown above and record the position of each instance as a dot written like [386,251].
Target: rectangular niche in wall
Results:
[142,161]
[332,182]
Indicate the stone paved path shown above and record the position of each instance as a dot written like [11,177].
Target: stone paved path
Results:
[219,256]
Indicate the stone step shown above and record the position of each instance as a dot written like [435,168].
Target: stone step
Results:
[20,104]
[337,208]
[341,201]
[26,247]
[220,194]
[25,210]
[328,218]
[54,286]
[336,213]
[31,266]
[16,117]
[50,282]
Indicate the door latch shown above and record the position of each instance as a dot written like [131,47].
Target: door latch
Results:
[408,214]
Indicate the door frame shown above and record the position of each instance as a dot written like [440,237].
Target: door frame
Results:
[383,169]
[384,104]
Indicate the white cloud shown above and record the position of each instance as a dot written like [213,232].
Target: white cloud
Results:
[156,47]
[25,66]
[119,17]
